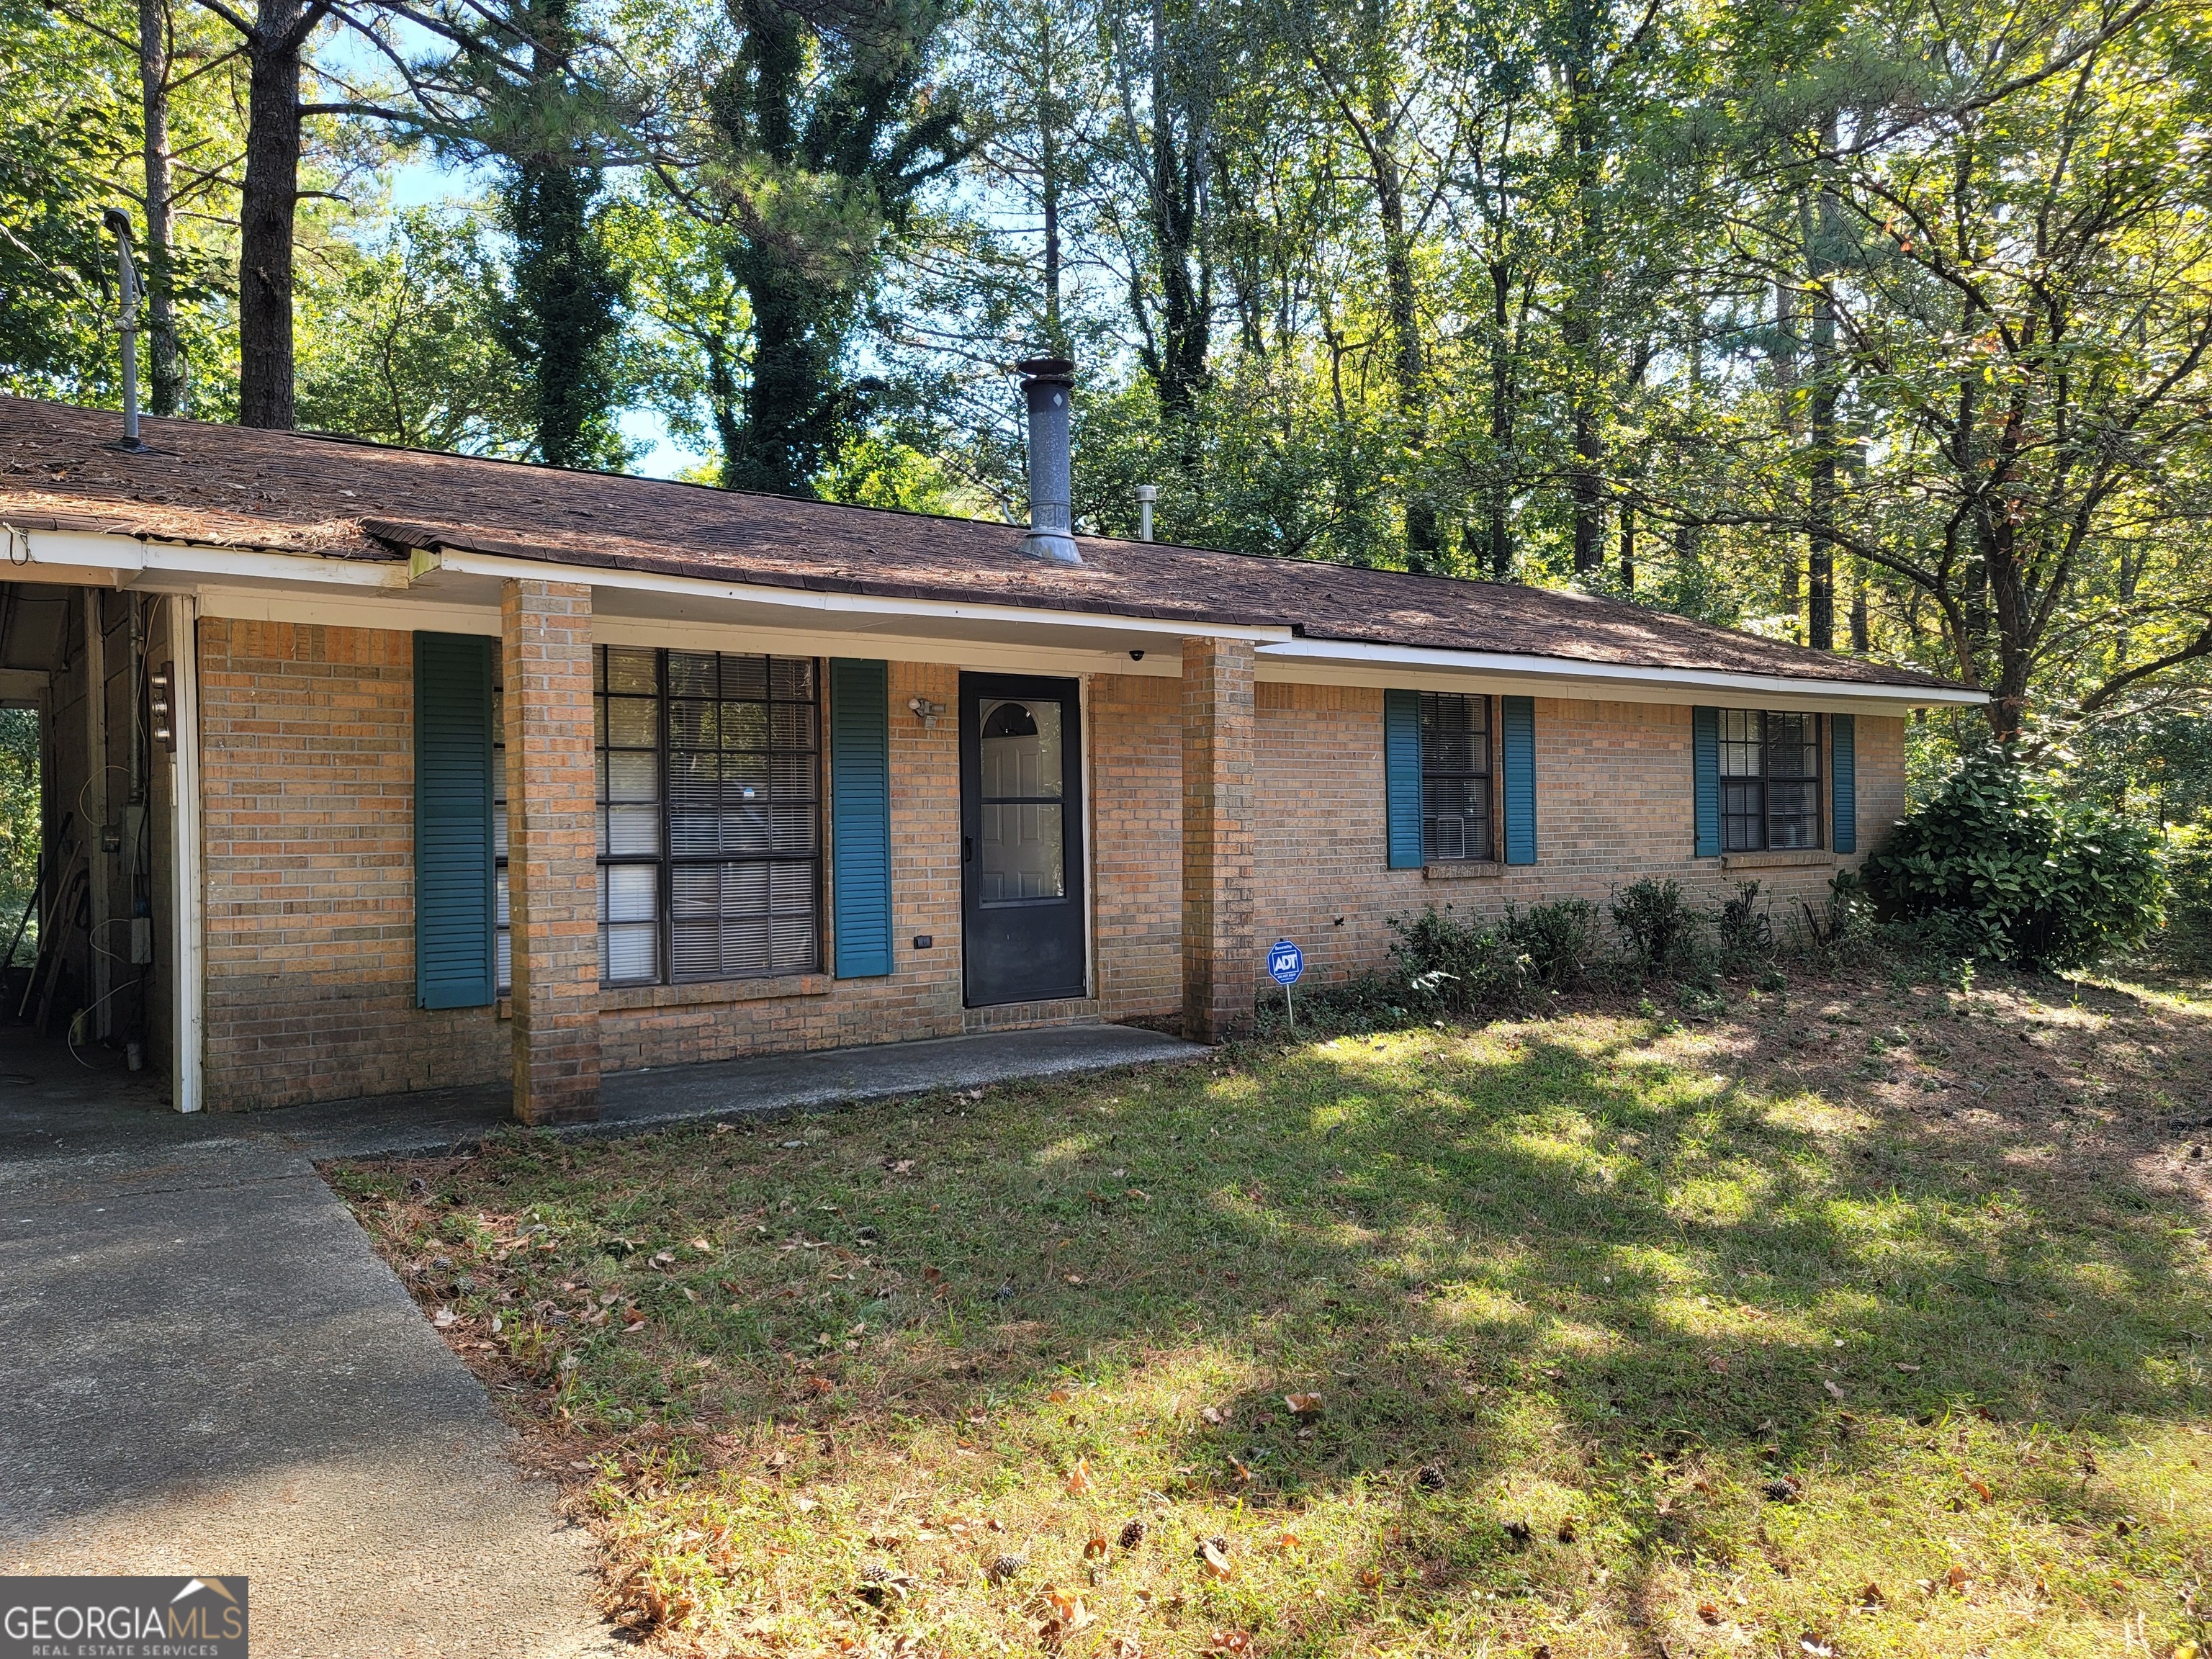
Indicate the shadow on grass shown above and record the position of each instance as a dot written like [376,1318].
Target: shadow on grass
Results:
[1544,1276]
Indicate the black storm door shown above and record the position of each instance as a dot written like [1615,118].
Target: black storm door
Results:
[1021,844]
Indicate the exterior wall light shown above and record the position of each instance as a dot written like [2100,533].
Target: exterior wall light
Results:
[927,712]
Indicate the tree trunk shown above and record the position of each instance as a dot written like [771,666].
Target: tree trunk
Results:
[1820,502]
[1186,303]
[1501,423]
[1861,632]
[1783,358]
[1579,329]
[160,208]
[1048,189]
[268,206]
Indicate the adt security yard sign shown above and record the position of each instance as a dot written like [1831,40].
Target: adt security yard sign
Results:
[1285,962]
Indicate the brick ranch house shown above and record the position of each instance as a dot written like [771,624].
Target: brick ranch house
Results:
[368,770]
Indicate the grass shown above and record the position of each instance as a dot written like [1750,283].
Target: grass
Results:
[1871,1319]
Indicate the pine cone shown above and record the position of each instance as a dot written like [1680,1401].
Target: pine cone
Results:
[1132,1534]
[1431,1477]
[1005,1567]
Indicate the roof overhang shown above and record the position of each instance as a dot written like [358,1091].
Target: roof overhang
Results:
[451,591]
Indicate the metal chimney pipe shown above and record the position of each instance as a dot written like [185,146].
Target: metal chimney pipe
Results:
[1048,383]
[1146,495]
[126,276]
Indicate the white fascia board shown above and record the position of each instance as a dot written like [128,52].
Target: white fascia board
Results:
[1334,662]
[110,557]
[842,606]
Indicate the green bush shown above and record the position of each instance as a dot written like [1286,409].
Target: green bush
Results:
[1560,940]
[1656,923]
[1458,967]
[2025,872]
[1745,928]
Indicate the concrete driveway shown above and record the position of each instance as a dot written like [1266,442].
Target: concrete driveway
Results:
[209,1370]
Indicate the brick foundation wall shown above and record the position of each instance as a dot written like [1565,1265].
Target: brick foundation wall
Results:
[307,769]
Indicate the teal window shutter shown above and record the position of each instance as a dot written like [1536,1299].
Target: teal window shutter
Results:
[1518,727]
[453,848]
[1402,776]
[860,814]
[1705,753]
[1844,767]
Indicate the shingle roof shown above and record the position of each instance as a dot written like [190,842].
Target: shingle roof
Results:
[339,498]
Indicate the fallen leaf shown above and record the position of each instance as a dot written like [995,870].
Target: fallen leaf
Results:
[1303,1405]
[1289,1541]
[1834,1392]
[1370,1577]
[1907,1369]
[1709,1612]
[1243,1473]
[1059,1396]
[1073,1279]
[1079,1481]
[1956,1578]
[702,1247]
[1229,1642]
[1215,1563]
[1095,1549]
[1981,1490]
[804,1505]
[1871,1595]
[444,1319]
[1211,1415]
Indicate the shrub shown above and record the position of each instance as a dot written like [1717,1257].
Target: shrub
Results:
[1560,941]
[2029,874]
[1745,929]
[1458,967]
[1660,930]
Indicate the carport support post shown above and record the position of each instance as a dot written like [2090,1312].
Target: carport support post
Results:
[552,840]
[1217,940]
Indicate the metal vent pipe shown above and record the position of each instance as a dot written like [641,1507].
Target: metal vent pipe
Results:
[126,277]
[1049,384]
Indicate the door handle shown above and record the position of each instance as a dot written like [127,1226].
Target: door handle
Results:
[967,849]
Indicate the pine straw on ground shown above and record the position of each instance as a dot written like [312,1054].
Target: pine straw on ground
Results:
[1868,1319]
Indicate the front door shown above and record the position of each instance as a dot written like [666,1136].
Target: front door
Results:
[1021,842]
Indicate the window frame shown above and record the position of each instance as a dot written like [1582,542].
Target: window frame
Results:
[1769,745]
[1488,776]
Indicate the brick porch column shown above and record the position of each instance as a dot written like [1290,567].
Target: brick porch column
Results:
[1217,961]
[552,843]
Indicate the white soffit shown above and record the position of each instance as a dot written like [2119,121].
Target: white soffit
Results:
[459,593]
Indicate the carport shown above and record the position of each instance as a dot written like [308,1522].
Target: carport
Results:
[102,962]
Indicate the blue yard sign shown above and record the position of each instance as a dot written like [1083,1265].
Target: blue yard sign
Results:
[1285,962]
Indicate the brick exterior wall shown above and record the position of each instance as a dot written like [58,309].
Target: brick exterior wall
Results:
[552,839]
[308,755]
[307,773]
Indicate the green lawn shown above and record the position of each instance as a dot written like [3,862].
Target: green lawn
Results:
[1874,1320]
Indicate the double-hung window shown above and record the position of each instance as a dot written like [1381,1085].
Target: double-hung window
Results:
[1770,780]
[1456,822]
[710,816]
[708,793]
